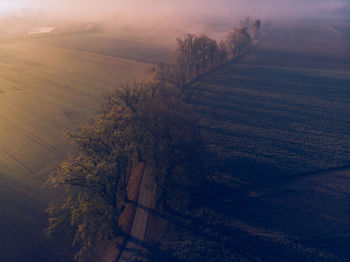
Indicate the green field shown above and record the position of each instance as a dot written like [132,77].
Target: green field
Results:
[45,90]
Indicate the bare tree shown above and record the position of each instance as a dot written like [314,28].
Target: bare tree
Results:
[222,53]
[239,41]
[185,57]
[194,56]
[255,31]
[206,49]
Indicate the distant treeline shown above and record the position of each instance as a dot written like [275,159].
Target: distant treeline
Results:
[199,54]
[149,120]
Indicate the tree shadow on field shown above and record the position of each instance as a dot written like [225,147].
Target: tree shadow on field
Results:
[146,251]
[293,218]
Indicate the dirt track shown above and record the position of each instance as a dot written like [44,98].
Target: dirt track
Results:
[134,247]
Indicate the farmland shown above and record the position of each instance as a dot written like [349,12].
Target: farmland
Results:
[45,90]
[275,121]
[277,125]
[280,110]
[143,51]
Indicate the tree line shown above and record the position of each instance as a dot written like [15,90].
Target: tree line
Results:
[199,54]
[150,120]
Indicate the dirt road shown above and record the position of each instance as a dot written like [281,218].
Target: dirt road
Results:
[134,247]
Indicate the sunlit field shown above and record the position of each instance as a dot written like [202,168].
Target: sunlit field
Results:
[47,90]
[44,91]
[142,51]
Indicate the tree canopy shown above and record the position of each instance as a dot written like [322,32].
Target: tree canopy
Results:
[146,119]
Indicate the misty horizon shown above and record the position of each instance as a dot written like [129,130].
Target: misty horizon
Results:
[94,9]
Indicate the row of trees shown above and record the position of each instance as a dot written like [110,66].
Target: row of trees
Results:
[194,55]
[149,120]
[198,54]
[146,119]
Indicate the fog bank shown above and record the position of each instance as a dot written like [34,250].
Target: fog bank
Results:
[186,8]
[154,16]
